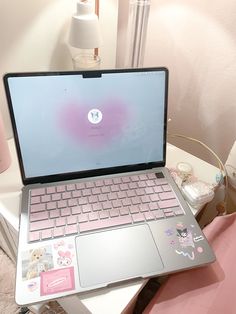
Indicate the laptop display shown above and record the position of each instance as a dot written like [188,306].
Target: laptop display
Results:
[78,123]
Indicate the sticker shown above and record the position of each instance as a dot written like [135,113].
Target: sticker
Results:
[186,254]
[200,249]
[32,286]
[58,244]
[65,258]
[36,261]
[179,225]
[185,237]
[199,238]
[57,280]
[169,232]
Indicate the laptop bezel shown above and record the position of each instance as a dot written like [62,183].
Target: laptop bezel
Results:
[94,172]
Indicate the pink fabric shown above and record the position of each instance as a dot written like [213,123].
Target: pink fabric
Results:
[208,290]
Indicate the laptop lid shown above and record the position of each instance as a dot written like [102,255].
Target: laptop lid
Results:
[77,124]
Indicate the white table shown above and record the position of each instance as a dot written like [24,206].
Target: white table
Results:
[109,300]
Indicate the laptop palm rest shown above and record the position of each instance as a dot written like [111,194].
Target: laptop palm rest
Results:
[115,255]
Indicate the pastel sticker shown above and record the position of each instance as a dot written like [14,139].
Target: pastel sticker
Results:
[199,238]
[169,232]
[65,258]
[186,254]
[36,261]
[59,244]
[179,225]
[57,280]
[32,286]
[185,237]
[200,249]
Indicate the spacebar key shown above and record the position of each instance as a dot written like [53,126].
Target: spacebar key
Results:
[105,223]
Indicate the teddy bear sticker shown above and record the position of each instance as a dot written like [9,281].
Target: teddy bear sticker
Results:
[36,261]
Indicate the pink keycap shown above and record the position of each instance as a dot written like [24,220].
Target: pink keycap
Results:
[89,185]
[51,205]
[34,236]
[166,188]
[145,199]
[83,217]
[66,195]
[71,229]
[106,205]
[168,203]
[96,191]
[169,214]
[93,216]
[157,189]
[149,216]
[113,196]
[160,181]
[134,209]
[114,212]
[116,203]
[166,195]
[97,207]
[72,202]
[54,213]
[70,187]
[151,175]
[86,208]
[61,204]
[45,198]
[58,232]
[149,190]
[105,223]
[135,200]
[76,210]
[93,199]
[179,212]
[44,224]
[61,188]
[144,207]
[131,193]
[71,220]
[35,200]
[150,183]
[124,211]
[158,214]
[37,208]
[39,216]
[37,192]
[104,214]
[80,186]
[124,187]
[105,189]
[65,211]
[126,179]
[60,221]
[126,202]
[154,197]
[51,189]
[56,197]
[46,234]
[138,217]
[76,193]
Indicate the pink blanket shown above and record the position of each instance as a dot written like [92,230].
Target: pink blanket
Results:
[207,290]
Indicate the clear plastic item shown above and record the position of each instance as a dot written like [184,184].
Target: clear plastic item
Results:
[197,193]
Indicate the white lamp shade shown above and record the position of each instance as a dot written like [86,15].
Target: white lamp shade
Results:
[84,29]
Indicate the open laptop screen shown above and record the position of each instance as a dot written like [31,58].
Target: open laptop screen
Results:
[71,122]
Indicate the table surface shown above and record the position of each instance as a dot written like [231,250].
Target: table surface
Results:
[116,298]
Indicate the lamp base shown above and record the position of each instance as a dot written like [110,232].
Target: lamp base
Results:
[85,61]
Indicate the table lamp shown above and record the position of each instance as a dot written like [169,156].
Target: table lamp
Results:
[84,36]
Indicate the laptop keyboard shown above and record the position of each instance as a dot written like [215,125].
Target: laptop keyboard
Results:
[68,209]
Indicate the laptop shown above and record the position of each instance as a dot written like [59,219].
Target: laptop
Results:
[98,205]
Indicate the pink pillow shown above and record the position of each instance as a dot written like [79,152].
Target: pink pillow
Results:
[210,289]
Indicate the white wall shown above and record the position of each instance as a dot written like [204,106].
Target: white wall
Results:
[33,37]
[196,40]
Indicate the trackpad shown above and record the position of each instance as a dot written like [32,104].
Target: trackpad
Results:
[115,255]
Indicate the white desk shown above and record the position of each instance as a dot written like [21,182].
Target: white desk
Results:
[110,300]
